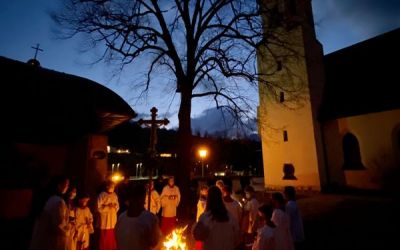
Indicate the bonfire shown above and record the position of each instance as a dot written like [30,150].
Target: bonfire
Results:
[176,240]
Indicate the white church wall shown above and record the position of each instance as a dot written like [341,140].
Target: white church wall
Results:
[377,134]
[299,150]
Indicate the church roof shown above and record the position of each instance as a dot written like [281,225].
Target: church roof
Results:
[42,105]
[362,78]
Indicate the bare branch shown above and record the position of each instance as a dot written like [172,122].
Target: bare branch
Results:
[209,47]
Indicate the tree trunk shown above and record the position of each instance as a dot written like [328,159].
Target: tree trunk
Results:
[184,152]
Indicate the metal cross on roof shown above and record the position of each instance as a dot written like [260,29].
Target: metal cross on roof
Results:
[37,49]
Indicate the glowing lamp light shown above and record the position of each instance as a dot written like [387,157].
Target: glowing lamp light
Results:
[117,177]
[203,153]
[165,155]
[219,174]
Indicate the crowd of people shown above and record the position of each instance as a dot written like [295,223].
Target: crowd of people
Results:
[65,221]
[228,223]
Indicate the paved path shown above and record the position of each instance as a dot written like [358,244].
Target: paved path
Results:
[350,222]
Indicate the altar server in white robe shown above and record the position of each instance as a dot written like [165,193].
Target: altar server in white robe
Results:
[170,198]
[107,207]
[52,230]
[84,222]
[283,237]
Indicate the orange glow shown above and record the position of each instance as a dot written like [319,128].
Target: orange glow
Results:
[176,240]
[116,177]
[165,155]
[203,153]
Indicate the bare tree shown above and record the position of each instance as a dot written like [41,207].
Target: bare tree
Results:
[209,47]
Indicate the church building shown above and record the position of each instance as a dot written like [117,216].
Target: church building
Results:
[335,120]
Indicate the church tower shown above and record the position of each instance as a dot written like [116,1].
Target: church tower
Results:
[291,60]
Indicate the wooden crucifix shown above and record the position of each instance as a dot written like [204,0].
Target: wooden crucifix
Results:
[153,123]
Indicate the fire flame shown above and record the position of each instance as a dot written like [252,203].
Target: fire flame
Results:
[176,240]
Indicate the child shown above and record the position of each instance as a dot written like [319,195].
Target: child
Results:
[137,228]
[170,197]
[234,208]
[84,222]
[201,207]
[250,212]
[155,202]
[220,184]
[216,228]
[266,235]
[49,234]
[201,204]
[296,223]
[231,205]
[107,206]
[71,203]
[251,209]
[283,238]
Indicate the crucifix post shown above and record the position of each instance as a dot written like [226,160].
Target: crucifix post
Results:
[154,124]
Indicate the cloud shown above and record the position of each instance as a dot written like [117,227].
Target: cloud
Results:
[341,23]
[219,122]
[371,17]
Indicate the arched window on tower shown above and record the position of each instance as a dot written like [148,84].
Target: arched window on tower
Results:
[351,153]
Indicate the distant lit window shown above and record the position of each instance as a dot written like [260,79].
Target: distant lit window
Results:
[285,135]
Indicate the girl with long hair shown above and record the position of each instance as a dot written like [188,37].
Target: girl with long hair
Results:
[216,228]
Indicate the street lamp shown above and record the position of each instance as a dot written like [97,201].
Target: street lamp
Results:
[117,177]
[202,154]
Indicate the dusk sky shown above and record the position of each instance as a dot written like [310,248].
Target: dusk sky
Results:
[24,23]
